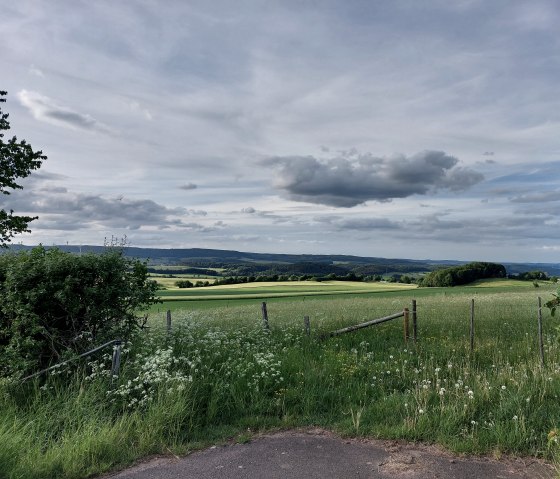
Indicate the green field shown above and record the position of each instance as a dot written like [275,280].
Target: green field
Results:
[279,289]
[219,376]
[206,298]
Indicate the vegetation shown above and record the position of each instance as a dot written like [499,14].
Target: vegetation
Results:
[464,274]
[219,374]
[17,160]
[533,276]
[55,304]
[553,303]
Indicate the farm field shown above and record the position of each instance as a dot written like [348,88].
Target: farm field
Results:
[193,298]
[219,376]
[279,289]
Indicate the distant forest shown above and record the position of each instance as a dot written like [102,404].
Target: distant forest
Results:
[230,263]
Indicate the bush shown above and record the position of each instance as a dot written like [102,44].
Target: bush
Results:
[183,283]
[55,304]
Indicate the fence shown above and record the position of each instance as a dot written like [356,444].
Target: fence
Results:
[115,365]
[454,311]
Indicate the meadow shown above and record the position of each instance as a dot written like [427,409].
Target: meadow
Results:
[220,377]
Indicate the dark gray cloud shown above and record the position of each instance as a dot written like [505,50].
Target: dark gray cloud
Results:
[188,186]
[354,178]
[59,209]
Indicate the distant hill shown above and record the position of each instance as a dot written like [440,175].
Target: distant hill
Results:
[246,263]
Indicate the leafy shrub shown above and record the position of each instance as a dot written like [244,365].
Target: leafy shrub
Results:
[184,283]
[54,304]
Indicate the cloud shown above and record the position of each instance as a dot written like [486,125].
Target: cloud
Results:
[366,224]
[60,209]
[541,197]
[354,178]
[45,109]
[249,210]
[188,186]
[36,71]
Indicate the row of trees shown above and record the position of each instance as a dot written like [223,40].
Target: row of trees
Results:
[533,276]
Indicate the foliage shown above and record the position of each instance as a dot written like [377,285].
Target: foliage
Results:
[530,276]
[184,283]
[553,303]
[17,160]
[54,304]
[463,274]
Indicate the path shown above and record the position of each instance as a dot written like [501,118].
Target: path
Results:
[317,454]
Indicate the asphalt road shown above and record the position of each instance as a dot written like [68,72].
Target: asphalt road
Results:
[317,454]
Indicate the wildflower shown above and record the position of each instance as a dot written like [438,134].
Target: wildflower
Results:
[421,411]
[503,388]
[515,418]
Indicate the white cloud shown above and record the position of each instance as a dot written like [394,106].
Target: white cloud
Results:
[45,109]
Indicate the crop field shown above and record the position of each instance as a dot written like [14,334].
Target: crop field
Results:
[219,376]
[279,289]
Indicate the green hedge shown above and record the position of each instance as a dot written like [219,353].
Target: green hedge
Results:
[55,304]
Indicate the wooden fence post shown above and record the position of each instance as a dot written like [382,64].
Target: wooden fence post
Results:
[168,321]
[541,346]
[307,325]
[414,321]
[472,325]
[116,363]
[405,325]
[265,316]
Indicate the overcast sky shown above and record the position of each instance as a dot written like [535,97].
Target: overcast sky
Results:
[397,128]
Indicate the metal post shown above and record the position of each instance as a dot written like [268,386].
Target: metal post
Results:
[541,345]
[405,325]
[116,363]
[472,325]
[414,321]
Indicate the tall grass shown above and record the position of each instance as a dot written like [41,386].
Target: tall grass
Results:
[220,374]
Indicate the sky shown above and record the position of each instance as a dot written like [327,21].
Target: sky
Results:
[397,128]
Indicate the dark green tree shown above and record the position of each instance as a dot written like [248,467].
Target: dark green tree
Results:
[17,160]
